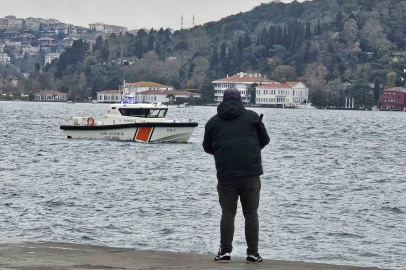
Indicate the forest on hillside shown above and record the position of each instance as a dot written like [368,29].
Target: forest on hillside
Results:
[338,48]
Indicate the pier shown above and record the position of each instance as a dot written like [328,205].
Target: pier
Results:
[17,254]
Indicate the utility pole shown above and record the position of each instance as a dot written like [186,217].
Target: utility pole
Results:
[193,20]
[181,23]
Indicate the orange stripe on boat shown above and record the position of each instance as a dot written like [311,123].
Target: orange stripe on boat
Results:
[143,134]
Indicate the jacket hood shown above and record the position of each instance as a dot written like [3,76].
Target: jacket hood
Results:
[230,109]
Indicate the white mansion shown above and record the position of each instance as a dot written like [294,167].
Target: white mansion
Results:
[268,92]
[145,92]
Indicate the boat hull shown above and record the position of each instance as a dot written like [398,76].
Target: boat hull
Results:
[143,132]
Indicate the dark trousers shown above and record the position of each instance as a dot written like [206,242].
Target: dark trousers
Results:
[248,190]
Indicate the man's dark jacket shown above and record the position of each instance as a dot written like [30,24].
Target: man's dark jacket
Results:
[235,136]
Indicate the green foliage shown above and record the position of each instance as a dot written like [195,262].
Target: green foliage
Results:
[321,42]
[252,92]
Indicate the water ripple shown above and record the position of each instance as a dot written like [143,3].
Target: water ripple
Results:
[333,189]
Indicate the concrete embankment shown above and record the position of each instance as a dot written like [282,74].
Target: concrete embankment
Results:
[26,255]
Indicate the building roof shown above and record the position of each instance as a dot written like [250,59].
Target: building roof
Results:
[292,83]
[168,92]
[274,86]
[396,89]
[45,38]
[148,84]
[244,77]
[109,92]
[51,92]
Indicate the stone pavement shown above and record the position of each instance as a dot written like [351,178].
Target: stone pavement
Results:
[16,254]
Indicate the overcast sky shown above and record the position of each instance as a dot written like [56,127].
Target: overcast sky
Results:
[133,14]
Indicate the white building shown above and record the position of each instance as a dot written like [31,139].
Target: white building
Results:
[149,96]
[4,58]
[32,23]
[51,96]
[300,92]
[134,89]
[107,28]
[15,24]
[241,81]
[154,96]
[51,56]
[282,95]
[109,96]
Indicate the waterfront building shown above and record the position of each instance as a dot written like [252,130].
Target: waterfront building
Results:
[241,81]
[393,99]
[282,95]
[51,56]
[4,58]
[50,95]
[109,96]
[268,92]
[134,89]
[154,96]
[279,95]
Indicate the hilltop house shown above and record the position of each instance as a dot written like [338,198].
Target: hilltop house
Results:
[46,41]
[107,28]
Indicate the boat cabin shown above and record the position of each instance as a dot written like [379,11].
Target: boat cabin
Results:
[137,110]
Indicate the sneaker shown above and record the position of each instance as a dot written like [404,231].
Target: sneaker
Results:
[222,258]
[254,258]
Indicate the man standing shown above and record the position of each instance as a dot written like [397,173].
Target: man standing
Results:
[236,136]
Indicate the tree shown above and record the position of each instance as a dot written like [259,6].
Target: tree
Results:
[151,42]
[286,74]
[223,52]
[141,34]
[171,97]
[362,94]
[391,80]
[377,90]
[252,92]
[214,59]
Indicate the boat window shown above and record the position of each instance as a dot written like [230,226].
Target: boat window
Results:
[153,113]
[134,112]
[162,113]
[157,113]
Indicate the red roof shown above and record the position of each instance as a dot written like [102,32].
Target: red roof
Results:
[51,92]
[292,83]
[274,86]
[110,92]
[245,78]
[168,92]
[396,89]
[149,84]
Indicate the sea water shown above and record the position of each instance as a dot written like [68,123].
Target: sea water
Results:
[333,189]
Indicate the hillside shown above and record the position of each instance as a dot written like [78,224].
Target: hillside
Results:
[324,43]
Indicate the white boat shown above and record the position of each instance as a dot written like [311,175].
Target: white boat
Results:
[305,106]
[137,122]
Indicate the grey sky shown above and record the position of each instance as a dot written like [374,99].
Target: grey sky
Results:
[133,14]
